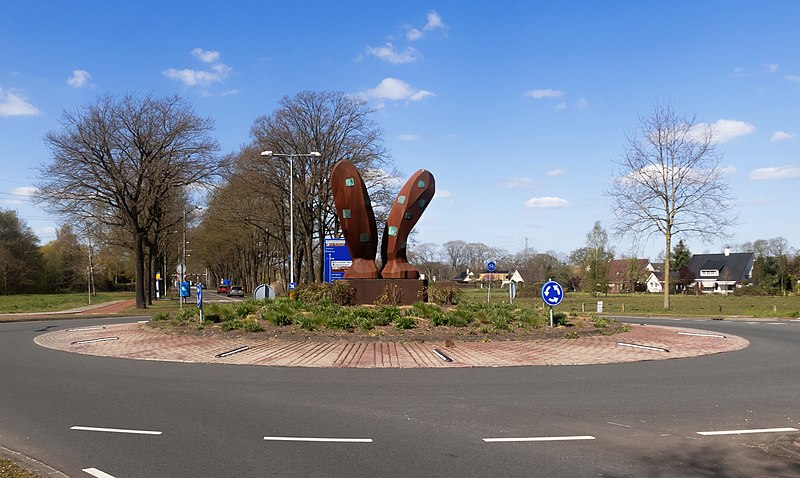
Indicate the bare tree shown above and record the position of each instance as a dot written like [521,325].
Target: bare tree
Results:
[339,127]
[116,161]
[670,182]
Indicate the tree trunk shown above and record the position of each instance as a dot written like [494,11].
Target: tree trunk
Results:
[141,300]
[667,267]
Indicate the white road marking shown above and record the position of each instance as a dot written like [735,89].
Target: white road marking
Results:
[323,440]
[702,335]
[741,432]
[527,439]
[116,430]
[97,473]
[81,329]
[775,323]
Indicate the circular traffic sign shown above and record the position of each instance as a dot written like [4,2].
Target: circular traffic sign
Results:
[292,286]
[491,266]
[552,293]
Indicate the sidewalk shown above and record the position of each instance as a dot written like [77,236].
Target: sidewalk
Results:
[139,341]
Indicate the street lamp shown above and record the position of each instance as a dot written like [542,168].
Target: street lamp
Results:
[291,157]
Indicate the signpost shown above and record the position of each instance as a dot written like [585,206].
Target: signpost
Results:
[552,295]
[200,300]
[490,266]
[337,259]
[184,291]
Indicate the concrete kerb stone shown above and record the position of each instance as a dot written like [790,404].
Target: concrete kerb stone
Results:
[138,341]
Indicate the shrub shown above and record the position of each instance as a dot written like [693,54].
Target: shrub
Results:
[560,318]
[387,314]
[364,313]
[312,293]
[341,292]
[340,321]
[161,316]
[404,323]
[456,318]
[308,322]
[186,314]
[425,310]
[243,309]
[444,295]
[364,323]
[530,317]
[599,322]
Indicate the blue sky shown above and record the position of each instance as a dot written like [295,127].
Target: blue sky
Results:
[517,108]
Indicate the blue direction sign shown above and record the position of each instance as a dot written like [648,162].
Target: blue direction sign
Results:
[184,290]
[199,296]
[491,266]
[552,293]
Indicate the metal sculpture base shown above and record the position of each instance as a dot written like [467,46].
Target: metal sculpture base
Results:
[388,291]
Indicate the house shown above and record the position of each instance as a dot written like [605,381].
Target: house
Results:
[464,277]
[721,273]
[628,275]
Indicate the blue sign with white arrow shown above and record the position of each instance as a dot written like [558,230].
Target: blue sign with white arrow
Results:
[552,293]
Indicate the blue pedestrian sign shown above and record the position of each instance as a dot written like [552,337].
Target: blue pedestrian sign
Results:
[199,296]
[552,293]
[491,266]
[184,291]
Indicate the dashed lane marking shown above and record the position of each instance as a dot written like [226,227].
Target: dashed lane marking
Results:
[115,430]
[742,432]
[97,473]
[320,440]
[537,439]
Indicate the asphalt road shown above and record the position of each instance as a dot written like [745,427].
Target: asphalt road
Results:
[190,420]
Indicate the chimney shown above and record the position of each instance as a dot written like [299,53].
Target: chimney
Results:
[727,251]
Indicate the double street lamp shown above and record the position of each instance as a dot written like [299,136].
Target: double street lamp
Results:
[291,157]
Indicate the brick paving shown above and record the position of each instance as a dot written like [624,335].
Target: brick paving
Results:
[139,341]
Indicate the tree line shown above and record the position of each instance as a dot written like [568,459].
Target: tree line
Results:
[138,174]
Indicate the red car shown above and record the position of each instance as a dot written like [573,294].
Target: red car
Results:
[223,289]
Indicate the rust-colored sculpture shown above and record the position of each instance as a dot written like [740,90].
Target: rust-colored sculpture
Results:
[357,220]
[360,230]
[414,197]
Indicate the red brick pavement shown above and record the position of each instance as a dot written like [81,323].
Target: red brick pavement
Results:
[139,341]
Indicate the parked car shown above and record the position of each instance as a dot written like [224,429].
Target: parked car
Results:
[223,289]
[236,291]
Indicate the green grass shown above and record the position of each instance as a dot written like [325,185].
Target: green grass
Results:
[653,304]
[10,304]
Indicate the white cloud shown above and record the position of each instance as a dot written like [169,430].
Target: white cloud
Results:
[556,172]
[547,93]
[217,71]
[443,193]
[781,136]
[25,191]
[582,104]
[518,182]
[394,89]
[79,79]
[413,34]
[15,105]
[546,202]
[408,137]
[722,130]
[206,56]
[771,67]
[778,172]
[389,53]
[792,78]
[434,22]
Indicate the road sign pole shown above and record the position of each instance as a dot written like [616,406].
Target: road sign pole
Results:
[551,316]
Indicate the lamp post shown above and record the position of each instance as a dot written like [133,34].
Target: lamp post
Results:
[291,157]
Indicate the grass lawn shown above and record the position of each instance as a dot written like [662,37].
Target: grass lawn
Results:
[9,469]
[653,304]
[10,304]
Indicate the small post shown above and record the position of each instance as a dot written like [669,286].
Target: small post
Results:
[551,317]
